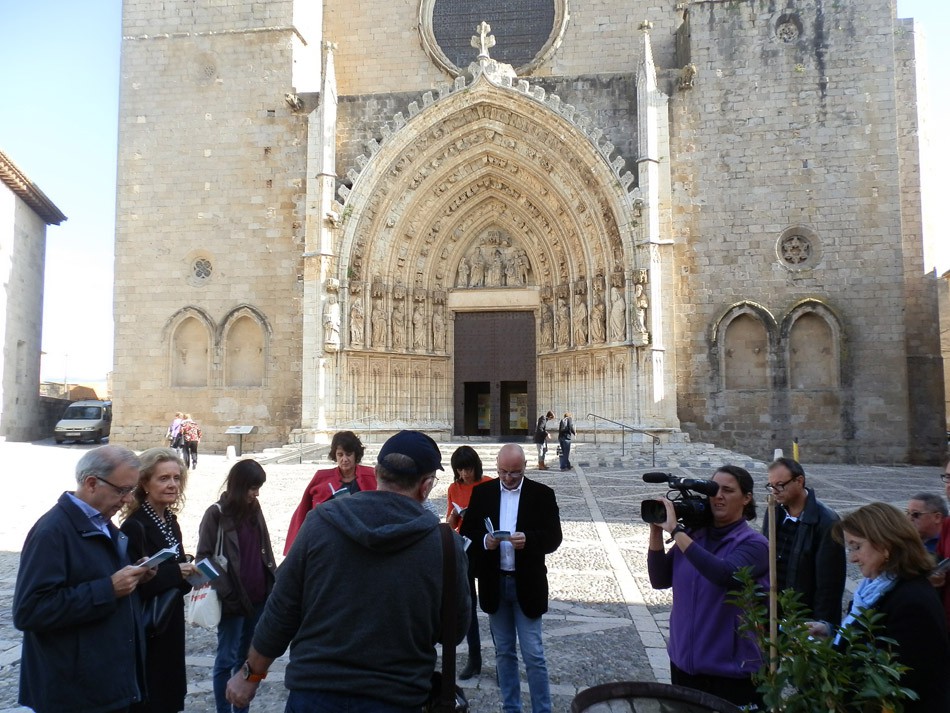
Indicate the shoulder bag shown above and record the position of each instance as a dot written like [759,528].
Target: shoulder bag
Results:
[202,604]
[445,696]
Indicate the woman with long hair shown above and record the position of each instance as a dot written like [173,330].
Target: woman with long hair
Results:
[150,523]
[246,565]
[707,651]
[346,478]
[467,469]
[887,549]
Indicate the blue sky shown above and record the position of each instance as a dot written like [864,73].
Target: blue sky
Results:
[58,112]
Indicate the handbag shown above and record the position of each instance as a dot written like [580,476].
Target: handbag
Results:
[157,612]
[444,695]
[202,607]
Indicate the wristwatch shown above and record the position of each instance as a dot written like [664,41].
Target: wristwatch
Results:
[252,677]
[675,531]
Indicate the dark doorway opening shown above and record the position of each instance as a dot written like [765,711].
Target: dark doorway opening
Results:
[477,408]
[495,374]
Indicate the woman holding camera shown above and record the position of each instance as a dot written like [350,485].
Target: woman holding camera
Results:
[707,651]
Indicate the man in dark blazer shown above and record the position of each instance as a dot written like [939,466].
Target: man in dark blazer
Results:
[512,576]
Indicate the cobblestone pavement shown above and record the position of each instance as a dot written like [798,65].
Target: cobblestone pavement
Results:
[604,624]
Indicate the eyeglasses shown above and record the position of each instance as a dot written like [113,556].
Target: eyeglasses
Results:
[945,477]
[915,514]
[779,487]
[510,473]
[119,491]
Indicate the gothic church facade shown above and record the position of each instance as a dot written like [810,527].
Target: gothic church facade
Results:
[698,218]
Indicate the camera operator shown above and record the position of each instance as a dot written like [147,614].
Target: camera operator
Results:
[706,650]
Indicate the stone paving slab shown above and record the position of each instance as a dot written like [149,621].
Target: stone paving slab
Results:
[605,622]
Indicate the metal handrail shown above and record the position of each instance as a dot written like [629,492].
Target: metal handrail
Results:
[623,434]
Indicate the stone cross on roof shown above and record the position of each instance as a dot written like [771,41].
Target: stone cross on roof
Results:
[483,40]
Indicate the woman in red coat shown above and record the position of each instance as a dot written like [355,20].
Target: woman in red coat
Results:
[348,477]
[467,468]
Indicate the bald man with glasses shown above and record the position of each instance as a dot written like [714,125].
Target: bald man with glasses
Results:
[808,558]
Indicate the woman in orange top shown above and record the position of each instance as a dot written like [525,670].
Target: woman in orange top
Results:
[348,477]
[467,467]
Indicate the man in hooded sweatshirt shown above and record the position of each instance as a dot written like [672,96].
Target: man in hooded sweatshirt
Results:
[359,597]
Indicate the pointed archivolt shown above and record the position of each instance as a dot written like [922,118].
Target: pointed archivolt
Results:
[495,154]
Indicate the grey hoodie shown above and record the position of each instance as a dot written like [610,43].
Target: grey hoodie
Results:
[358,599]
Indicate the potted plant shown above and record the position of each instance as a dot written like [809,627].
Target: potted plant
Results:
[806,674]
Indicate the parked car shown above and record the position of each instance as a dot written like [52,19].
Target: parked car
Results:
[85,421]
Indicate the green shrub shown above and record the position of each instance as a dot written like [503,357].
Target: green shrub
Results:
[811,675]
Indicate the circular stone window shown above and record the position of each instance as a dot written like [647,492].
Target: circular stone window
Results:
[798,248]
[200,269]
[788,28]
[526,32]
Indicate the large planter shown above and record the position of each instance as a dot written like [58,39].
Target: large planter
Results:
[622,697]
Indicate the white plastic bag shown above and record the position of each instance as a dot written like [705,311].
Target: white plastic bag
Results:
[202,607]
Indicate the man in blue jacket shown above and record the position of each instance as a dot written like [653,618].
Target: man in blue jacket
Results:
[83,645]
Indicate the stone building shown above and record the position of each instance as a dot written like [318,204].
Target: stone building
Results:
[455,215]
[25,211]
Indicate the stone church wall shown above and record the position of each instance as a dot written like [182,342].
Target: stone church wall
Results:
[209,229]
[791,131]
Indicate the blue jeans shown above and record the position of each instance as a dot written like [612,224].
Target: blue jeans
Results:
[508,623]
[234,639]
[325,702]
[565,452]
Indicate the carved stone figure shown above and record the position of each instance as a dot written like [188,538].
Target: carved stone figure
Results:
[331,323]
[462,280]
[356,321]
[642,302]
[399,325]
[378,323]
[521,264]
[547,326]
[477,273]
[511,278]
[598,321]
[495,269]
[580,322]
[438,331]
[618,315]
[418,326]
[563,323]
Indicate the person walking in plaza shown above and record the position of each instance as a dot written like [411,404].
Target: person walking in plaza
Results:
[541,438]
[927,512]
[565,434]
[360,596]
[511,573]
[808,559]
[888,551]
[190,437]
[707,651]
[247,570]
[75,597]
[467,468]
[173,434]
[150,524]
[347,478]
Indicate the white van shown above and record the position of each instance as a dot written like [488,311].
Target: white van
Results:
[85,421]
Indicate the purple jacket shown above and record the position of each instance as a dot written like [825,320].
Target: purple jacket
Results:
[704,636]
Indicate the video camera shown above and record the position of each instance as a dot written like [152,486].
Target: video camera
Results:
[691,509]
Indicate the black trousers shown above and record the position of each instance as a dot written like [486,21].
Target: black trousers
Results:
[740,691]
[191,451]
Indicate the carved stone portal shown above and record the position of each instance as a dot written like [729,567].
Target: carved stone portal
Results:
[493,261]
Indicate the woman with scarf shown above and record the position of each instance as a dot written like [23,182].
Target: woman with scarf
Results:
[150,524]
[881,541]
